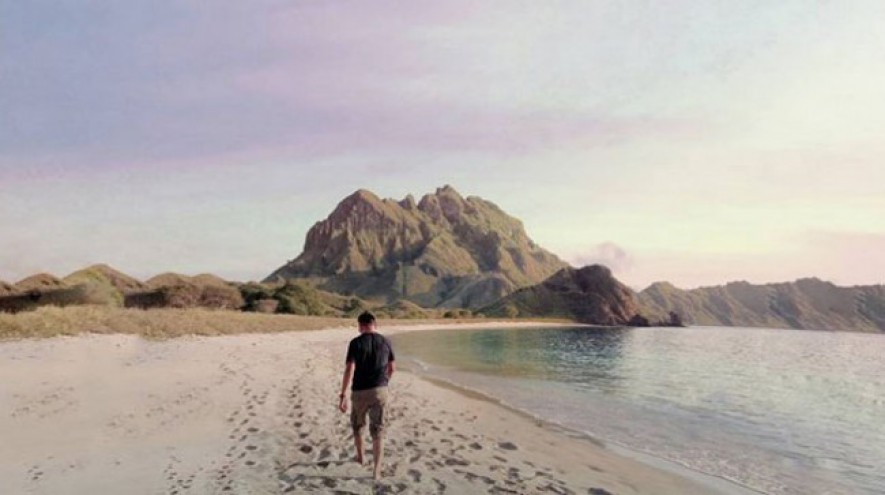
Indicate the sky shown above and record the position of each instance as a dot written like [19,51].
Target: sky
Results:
[694,142]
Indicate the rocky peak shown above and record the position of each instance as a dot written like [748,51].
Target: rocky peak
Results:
[660,287]
[442,236]
[360,202]
[447,190]
[592,278]
[444,205]
[408,202]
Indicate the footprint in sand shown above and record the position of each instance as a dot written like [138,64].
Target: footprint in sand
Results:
[508,446]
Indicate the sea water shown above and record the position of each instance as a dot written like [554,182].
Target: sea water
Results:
[778,411]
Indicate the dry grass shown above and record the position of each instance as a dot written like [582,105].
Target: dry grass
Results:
[154,323]
[50,321]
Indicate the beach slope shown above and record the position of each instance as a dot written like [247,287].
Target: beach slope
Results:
[256,413]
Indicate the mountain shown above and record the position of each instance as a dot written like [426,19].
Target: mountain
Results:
[807,303]
[587,295]
[442,251]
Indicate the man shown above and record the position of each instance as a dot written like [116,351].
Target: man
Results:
[370,362]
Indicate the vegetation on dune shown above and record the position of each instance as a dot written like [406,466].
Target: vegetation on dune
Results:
[53,321]
[101,286]
[155,323]
[298,299]
[7,289]
[172,290]
[189,295]
[39,282]
[404,310]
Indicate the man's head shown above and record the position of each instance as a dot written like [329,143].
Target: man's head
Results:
[366,321]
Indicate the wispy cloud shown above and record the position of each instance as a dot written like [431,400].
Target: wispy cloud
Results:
[718,131]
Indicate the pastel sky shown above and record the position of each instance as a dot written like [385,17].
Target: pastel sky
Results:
[695,142]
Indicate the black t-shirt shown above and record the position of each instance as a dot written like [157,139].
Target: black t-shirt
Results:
[370,352]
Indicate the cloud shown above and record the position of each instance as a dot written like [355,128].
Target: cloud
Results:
[607,253]
[110,86]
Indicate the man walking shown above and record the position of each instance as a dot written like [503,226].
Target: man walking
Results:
[370,362]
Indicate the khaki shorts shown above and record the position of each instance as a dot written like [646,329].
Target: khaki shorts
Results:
[372,402]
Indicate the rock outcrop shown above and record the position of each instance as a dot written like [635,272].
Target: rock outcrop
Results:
[804,304]
[444,250]
[587,295]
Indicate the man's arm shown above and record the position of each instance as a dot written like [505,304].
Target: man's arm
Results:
[391,361]
[345,382]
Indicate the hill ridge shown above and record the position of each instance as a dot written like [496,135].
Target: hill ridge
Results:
[805,303]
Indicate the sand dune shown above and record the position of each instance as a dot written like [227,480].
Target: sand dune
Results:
[257,413]
[7,289]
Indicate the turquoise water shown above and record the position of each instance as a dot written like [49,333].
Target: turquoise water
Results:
[779,411]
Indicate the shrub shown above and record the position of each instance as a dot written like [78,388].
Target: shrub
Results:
[296,299]
[220,297]
[253,294]
[265,306]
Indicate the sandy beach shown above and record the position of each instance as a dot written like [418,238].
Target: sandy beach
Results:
[256,413]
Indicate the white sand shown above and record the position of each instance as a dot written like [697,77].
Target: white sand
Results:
[257,414]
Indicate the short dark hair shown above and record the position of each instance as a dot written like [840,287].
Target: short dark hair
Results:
[366,318]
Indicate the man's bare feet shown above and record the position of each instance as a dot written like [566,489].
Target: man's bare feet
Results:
[359,459]
[377,474]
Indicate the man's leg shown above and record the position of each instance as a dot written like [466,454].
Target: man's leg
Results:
[358,441]
[377,455]
[358,422]
[377,423]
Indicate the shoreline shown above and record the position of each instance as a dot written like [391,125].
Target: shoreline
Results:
[254,413]
[718,483]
